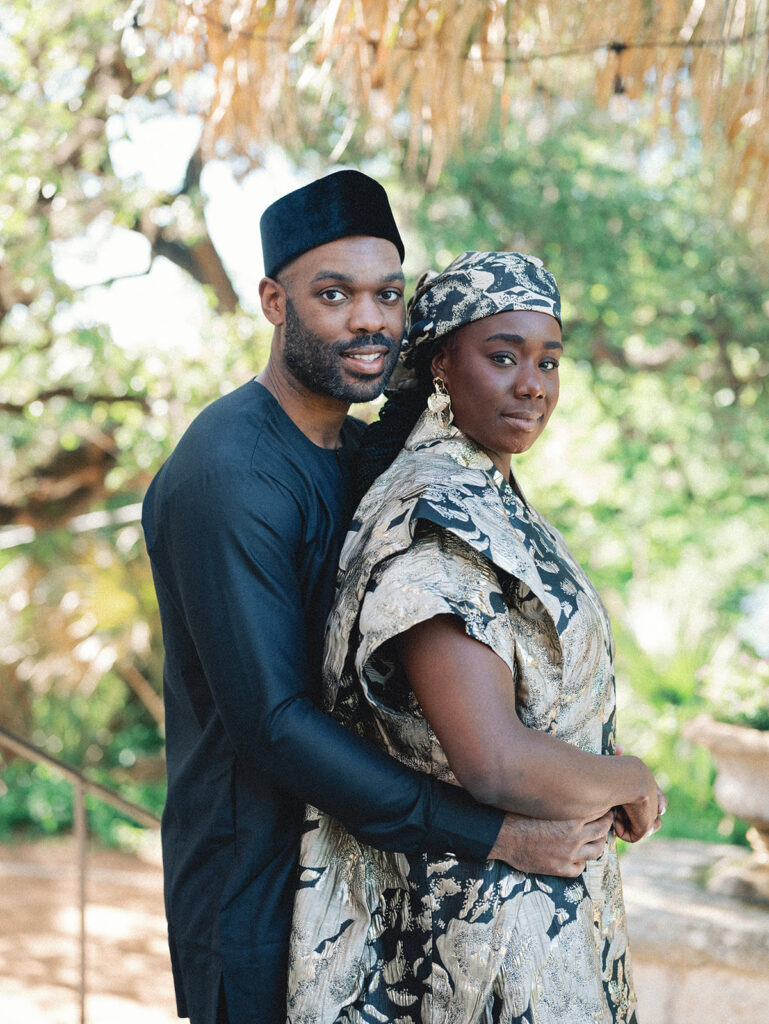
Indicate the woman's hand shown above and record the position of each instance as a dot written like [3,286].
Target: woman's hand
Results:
[634,821]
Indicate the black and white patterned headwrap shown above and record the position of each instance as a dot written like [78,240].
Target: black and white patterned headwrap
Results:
[473,286]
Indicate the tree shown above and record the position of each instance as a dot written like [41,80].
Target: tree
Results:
[84,422]
[414,78]
[654,463]
[653,457]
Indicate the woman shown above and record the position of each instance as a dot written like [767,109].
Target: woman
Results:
[466,641]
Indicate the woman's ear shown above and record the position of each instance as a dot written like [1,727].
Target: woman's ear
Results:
[438,364]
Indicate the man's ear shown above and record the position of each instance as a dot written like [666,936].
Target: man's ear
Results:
[273,297]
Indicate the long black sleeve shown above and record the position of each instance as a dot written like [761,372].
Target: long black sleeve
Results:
[228,553]
[243,525]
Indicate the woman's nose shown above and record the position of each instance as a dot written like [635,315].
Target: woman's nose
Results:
[529,381]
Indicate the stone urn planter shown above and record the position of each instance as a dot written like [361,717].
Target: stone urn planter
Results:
[741,788]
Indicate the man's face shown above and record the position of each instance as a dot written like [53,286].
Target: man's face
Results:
[344,317]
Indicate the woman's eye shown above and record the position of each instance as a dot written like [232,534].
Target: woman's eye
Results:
[549,364]
[503,358]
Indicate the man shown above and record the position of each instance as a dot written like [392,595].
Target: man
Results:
[244,524]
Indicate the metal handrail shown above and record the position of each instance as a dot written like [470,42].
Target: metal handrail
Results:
[32,753]
[81,785]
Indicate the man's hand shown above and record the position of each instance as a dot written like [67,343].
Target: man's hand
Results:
[550,847]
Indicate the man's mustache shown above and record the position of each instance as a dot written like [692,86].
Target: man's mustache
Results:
[366,341]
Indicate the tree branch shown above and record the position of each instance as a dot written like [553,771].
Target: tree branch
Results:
[69,392]
[202,262]
[199,259]
[143,689]
[113,280]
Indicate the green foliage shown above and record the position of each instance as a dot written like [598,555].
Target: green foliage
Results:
[37,802]
[654,701]
[736,684]
[34,801]
[84,421]
[653,465]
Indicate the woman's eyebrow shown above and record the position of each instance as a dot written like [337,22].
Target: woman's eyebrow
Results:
[517,339]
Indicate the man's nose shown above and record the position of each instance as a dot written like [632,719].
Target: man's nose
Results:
[366,315]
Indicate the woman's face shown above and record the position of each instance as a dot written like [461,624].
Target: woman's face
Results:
[502,375]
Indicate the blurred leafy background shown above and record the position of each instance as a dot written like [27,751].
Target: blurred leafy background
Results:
[655,465]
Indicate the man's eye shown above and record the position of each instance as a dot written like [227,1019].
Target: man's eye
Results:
[391,295]
[332,294]
[550,364]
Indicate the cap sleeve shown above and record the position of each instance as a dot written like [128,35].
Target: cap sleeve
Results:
[439,574]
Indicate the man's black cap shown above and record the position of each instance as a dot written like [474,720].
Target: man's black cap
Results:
[341,204]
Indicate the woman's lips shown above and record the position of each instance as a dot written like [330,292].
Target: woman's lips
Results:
[521,420]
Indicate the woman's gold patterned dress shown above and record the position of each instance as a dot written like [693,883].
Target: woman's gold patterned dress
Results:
[381,937]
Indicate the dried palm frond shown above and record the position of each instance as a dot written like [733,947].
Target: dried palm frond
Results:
[422,73]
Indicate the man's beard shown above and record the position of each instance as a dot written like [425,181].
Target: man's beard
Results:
[317,364]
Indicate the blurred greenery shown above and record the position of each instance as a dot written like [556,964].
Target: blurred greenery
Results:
[654,465]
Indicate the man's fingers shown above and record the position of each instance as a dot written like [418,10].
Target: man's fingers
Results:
[598,829]
[572,870]
[597,838]
[592,851]
[602,824]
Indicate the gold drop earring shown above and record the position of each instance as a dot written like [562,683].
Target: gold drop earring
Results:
[439,402]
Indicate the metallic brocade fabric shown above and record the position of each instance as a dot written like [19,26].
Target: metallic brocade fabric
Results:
[383,937]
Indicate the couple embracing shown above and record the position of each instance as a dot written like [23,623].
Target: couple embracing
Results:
[390,790]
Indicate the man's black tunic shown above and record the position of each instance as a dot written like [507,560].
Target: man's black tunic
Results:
[243,525]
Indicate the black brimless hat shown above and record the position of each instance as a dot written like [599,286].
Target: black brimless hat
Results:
[341,204]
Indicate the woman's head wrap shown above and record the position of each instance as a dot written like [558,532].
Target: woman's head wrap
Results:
[473,286]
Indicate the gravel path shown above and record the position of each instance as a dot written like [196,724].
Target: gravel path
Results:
[697,957]
[128,970]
